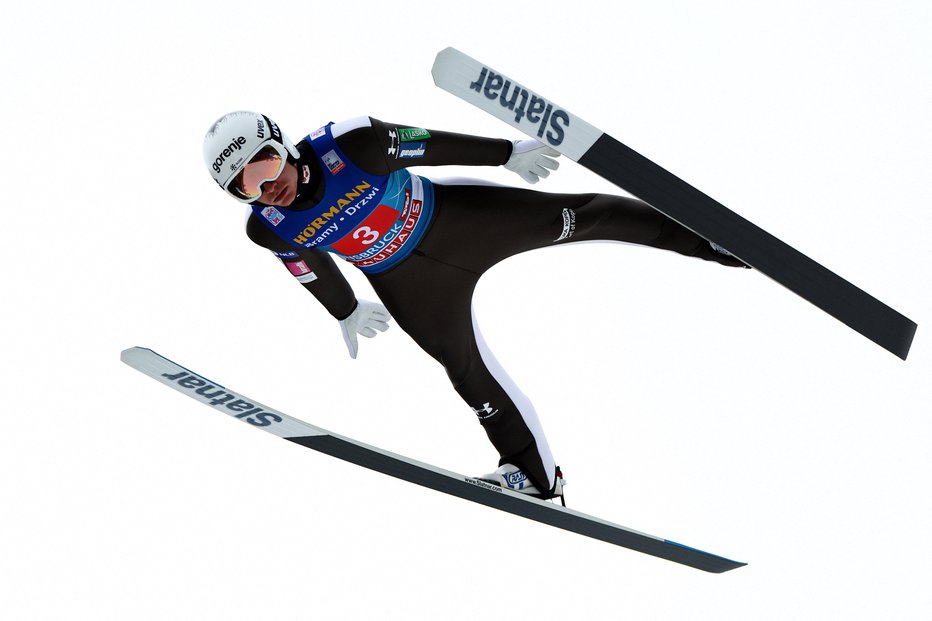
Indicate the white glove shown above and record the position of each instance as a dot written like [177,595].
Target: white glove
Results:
[365,320]
[529,159]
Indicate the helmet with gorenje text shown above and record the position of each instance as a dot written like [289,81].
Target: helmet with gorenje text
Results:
[246,140]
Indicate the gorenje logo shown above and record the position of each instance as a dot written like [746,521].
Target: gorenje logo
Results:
[525,105]
[216,396]
[236,145]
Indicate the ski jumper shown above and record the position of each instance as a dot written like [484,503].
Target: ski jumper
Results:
[424,246]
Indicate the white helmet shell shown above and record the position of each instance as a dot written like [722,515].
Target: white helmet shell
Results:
[234,138]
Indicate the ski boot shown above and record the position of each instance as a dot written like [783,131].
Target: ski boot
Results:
[511,477]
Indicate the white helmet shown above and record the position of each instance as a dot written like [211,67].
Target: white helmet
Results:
[236,139]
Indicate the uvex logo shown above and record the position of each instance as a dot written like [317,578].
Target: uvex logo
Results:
[524,104]
[219,398]
[235,145]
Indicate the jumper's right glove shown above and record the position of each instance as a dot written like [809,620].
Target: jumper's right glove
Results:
[365,320]
[531,159]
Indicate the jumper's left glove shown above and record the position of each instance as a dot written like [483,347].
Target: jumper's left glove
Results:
[365,320]
[531,160]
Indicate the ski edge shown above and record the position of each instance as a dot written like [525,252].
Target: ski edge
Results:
[192,384]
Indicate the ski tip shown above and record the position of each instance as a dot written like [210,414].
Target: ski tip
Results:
[707,561]
[731,565]
[906,342]
[131,354]
[443,57]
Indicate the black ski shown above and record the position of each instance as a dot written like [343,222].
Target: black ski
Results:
[543,120]
[215,395]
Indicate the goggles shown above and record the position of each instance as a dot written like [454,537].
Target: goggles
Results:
[265,165]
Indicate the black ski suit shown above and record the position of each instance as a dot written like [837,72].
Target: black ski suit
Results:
[472,227]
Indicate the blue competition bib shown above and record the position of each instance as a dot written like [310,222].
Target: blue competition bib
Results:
[372,221]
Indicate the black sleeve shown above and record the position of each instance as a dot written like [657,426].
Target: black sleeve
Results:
[315,269]
[380,148]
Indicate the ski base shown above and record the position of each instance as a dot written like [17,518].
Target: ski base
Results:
[233,404]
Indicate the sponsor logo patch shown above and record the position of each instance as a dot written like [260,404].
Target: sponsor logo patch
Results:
[333,162]
[551,121]
[298,268]
[305,173]
[273,215]
[412,149]
[301,271]
[235,145]
[569,225]
[407,142]
[286,255]
[516,479]
[410,134]
[318,133]
[486,411]
[219,398]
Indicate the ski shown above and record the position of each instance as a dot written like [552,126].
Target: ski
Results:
[254,413]
[542,119]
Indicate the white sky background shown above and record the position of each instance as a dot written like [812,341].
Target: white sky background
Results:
[705,405]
